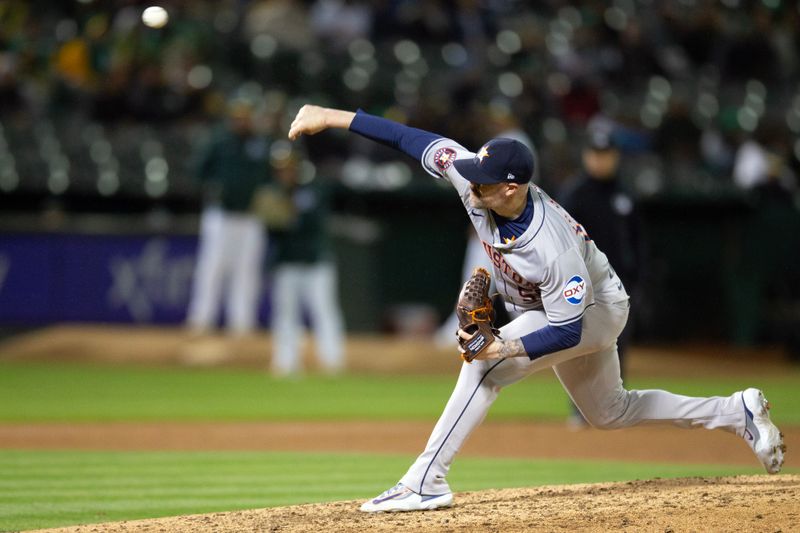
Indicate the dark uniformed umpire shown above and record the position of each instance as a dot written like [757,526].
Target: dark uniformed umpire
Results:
[597,199]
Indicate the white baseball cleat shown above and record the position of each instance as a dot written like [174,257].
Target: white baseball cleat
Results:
[401,498]
[760,433]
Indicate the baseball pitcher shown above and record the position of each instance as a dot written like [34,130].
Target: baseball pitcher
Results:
[567,304]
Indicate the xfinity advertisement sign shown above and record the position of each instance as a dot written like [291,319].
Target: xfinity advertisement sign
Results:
[49,278]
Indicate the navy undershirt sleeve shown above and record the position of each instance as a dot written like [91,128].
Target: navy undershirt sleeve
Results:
[411,141]
[551,339]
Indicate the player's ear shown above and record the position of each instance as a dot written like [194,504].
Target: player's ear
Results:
[511,189]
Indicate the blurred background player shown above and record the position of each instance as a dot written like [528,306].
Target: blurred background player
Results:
[597,199]
[761,167]
[295,208]
[231,168]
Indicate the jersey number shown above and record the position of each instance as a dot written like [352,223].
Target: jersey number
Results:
[579,229]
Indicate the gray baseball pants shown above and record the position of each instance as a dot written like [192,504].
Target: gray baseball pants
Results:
[590,374]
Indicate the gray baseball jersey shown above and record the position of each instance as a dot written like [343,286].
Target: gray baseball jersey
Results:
[553,265]
[555,273]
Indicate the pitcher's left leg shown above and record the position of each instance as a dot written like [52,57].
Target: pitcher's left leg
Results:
[474,393]
[476,390]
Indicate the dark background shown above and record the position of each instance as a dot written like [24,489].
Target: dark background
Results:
[94,106]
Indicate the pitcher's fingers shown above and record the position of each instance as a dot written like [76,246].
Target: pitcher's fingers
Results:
[296,129]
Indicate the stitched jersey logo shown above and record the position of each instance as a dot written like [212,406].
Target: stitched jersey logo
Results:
[575,290]
[443,158]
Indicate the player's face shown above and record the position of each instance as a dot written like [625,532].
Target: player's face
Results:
[488,196]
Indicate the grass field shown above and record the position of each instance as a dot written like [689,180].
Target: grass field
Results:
[80,392]
[51,488]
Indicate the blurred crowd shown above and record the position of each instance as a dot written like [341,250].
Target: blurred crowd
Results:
[703,95]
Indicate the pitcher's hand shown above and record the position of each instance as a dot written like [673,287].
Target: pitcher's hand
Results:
[497,349]
[309,120]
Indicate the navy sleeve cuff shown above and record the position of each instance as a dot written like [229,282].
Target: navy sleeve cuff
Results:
[411,141]
[551,339]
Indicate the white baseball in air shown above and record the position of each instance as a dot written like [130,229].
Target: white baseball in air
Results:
[155,17]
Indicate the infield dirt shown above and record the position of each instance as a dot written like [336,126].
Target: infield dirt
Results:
[751,503]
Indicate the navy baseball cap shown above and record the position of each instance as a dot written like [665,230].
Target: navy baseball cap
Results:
[600,141]
[500,160]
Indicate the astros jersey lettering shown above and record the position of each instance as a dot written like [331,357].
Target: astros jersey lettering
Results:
[553,265]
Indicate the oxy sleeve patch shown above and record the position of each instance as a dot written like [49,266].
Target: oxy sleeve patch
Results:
[574,290]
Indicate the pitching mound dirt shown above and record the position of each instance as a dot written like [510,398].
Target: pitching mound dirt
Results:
[744,503]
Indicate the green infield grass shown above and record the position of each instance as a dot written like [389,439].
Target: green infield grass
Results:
[57,488]
[82,392]
[51,488]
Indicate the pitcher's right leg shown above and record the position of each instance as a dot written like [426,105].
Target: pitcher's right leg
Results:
[594,384]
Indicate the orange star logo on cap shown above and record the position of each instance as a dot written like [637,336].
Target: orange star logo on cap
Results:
[483,153]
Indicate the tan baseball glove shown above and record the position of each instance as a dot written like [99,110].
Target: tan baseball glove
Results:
[476,314]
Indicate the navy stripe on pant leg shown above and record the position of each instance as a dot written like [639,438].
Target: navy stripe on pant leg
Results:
[422,483]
